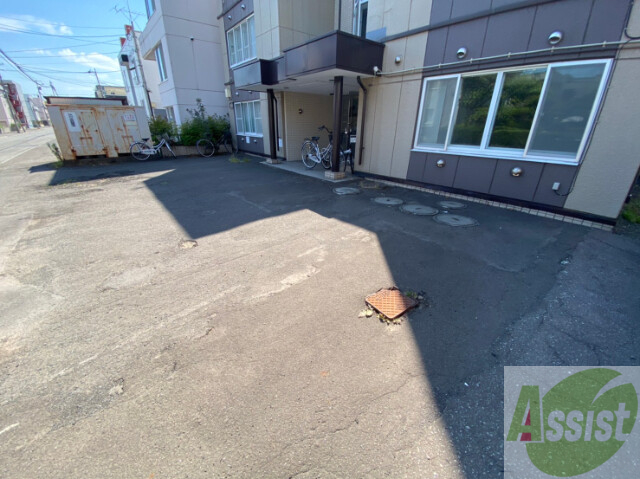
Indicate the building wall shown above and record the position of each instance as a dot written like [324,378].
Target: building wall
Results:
[194,67]
[316,110]
[612,160]
[136,94]
[524,28]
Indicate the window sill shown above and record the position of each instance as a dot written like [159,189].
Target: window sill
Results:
[499,155]
[236,65]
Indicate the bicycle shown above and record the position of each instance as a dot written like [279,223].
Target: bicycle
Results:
[208,148]
[312,154]
[346,159]
[141,150]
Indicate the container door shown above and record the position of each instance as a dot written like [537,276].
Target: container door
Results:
[84,132]
[124,126]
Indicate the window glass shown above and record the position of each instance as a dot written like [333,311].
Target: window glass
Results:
[517,107]
[241,42]
[252,38]
[364,9]
[258,117]
[566,108]
[239,118]
[473,108]
[436,112]
[160,61]
[232,48]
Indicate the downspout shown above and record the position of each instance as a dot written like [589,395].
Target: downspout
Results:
[364,116]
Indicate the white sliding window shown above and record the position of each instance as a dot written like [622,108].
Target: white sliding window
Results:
[241,42]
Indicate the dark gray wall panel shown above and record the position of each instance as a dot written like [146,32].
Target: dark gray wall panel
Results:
[607,21]
[503,3]
[436,43]
[508,32]
[568,16]
[469,35]
[416,165]
[440,10]
[522,187]
[440,175]
[474,174]
[256,144]
[243,95]
[238,14]
[468,7]
[562,174]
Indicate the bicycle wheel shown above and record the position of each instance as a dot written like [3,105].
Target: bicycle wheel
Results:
[138,151]
[326,160]
[346,160]
[226,145]
[309,154]
[205,148]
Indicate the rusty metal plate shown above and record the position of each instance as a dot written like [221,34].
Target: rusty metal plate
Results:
[391,302]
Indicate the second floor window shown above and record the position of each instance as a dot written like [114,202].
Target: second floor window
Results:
[241,41]
[360,10]
[160,59]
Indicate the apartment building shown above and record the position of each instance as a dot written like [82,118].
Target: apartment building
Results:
[529,102]
[183,39]
[141,77]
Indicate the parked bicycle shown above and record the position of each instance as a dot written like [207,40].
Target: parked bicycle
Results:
[141,150]
[312,154]
[208,147]
[346,160]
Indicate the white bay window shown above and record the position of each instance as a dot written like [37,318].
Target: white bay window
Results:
[538,113]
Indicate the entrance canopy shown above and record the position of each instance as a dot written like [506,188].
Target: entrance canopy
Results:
[312,66]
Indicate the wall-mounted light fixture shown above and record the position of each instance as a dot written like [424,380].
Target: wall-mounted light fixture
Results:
[516,172]
[461,53]
[300,111]
[398,59]
[555,37]
[243,6]
[229,17]
[376,71]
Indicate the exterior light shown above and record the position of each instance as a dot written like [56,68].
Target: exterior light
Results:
[398,59]
[461,53]
[516,172]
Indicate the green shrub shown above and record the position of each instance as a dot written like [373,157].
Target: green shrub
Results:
[161,127]
[201,125]
[631,211]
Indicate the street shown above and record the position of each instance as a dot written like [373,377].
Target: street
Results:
[199,317]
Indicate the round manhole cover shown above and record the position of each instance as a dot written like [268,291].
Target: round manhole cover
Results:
[346,190]
[451,205]
[419,210]
[455,220]
[388,201]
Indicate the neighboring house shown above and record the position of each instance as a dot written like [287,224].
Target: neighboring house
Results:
[17,104]
[135,75]
[526,102]
[183,39]
[6,113]
[36,110]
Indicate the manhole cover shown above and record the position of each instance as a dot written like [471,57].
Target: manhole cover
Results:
[452,205]
[419,210]
[391,302]
[346,190]
[455,220]
[388,201]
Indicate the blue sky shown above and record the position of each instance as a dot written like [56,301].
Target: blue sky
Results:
[60,41]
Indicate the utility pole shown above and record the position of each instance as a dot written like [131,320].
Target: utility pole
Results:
[136,50]
[53,89]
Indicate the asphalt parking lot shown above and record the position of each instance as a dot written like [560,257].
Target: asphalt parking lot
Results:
[199,318]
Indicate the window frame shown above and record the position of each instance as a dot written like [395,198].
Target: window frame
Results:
[484,150]
[357,18]
[250,45]
[162,66]
[248,107]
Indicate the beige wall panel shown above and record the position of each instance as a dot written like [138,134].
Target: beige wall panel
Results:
[406,120]
[420,13]
[388,98]
[316,110]
[612,159]
[391,51]
[414,53]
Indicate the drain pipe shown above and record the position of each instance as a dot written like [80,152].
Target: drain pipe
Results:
[364,116]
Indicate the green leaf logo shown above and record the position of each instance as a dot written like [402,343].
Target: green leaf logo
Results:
[581,429]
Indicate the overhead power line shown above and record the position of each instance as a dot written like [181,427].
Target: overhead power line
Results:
[59,25]
[12,28]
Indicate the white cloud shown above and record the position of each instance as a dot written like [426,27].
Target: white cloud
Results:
[91,60]
[29,22]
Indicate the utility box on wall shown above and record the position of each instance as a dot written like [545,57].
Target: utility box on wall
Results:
[94,127]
